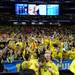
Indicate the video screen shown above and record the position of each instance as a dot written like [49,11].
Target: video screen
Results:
[21,9]
[36,9]
[52,9]
[40,9]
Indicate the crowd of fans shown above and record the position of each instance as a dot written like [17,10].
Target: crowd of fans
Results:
[28,42]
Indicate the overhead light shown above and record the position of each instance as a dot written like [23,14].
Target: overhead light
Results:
[59,24]
[40,23]
[33,23]
[23,23]
[50,23]
[15,23]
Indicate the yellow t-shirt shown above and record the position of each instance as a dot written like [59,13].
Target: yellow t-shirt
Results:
[45,69]
[25,52]
[51,46]
[12,44]
[33,64]
[46,41]
[71,54]
[54,54]
[22,66]
[57,55]
[18,67]
[56,40]
[25,64]
[61,44]
[20,44]
[72,67]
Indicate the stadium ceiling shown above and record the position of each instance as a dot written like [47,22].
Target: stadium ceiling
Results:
[40,1]
[68,16]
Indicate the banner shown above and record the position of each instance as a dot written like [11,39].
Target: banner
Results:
[11,67]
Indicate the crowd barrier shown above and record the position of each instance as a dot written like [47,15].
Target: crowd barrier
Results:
[11,67]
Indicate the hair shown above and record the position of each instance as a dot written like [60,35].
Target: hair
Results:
[41,59]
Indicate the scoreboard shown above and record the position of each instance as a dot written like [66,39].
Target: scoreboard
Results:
[37,9]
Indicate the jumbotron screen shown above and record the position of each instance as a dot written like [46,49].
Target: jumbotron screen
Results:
[34,9]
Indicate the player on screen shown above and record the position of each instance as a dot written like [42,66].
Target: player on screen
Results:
[33,10]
